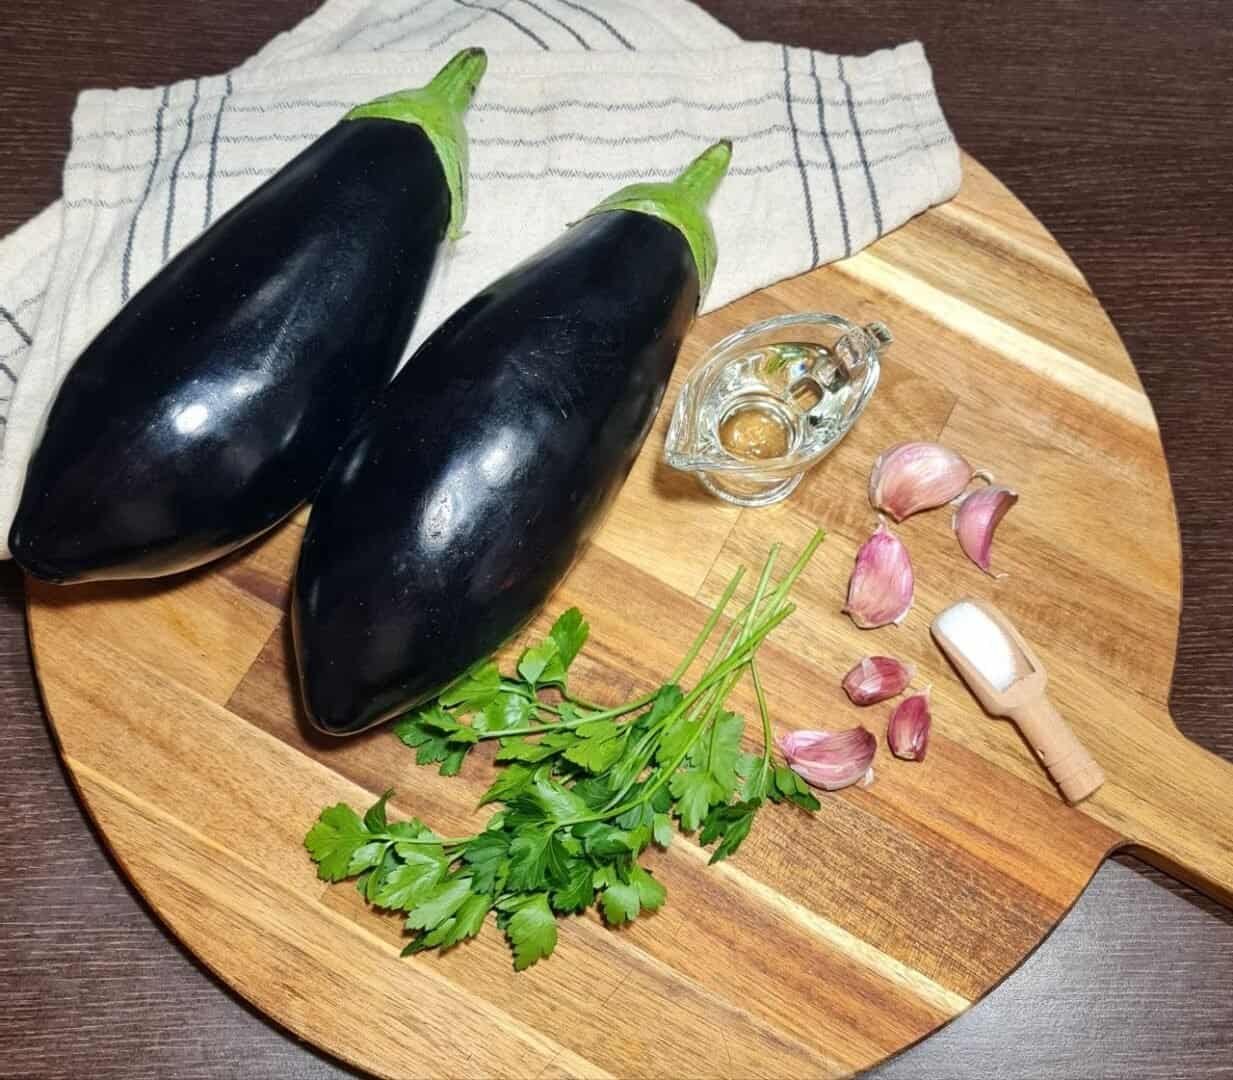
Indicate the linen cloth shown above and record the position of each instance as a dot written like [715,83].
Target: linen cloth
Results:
[580,98]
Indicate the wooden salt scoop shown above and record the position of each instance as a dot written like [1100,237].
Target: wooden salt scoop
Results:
[1009,680]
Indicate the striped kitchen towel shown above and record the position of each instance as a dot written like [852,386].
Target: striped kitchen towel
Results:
[581,97]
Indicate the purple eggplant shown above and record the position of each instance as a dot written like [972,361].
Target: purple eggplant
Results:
[462,498]
[213,403]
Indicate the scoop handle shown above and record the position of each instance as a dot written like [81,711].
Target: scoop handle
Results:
[1065,758]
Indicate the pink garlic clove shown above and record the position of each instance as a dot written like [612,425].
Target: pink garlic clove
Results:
[881,586]
[976,519]
[914,476]
[908,730]
[876,678]
[830,759]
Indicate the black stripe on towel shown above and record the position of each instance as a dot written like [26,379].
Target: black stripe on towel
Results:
[602,22]
[218,123]
[508,18]
[170,217]
[800,161]
[9,318]
[860,146]
[830,155]
[561,23]
[126,264]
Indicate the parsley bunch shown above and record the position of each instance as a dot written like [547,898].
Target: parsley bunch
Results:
[584,789]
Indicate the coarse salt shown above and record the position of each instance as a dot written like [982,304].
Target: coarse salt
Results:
[983,644]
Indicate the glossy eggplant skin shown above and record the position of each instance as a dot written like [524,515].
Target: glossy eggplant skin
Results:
[211,406]
[464,496]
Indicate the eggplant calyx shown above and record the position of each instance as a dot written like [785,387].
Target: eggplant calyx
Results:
[437,110]
[682,203]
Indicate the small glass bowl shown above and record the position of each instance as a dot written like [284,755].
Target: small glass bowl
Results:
[771,400]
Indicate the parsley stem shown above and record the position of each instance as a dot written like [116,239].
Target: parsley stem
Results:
[568,725]
[735,658]
[768,736]
[708,628]
[759,592]
[599,712]
[440,841]
[583,703]
[717,684]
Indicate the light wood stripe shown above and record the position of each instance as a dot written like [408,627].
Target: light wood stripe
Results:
[945,1001]
[1021,349]
[533,1040]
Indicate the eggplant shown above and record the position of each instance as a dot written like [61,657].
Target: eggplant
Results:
[213,403]
[463,497]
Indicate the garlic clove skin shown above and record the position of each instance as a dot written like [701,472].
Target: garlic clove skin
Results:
[876,678]
[976,519]
[915,476]
[908,730]
[882,582]
[830,760]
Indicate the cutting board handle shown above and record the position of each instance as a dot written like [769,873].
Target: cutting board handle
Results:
[1180,817]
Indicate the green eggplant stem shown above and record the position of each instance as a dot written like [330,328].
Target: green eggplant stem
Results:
[437,109]
[682,203]
[700,178]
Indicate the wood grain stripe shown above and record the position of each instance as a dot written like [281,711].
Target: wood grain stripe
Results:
[223,887]
[1012,344]
[945,1001]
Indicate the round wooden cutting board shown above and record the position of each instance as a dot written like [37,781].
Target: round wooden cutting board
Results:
[830,941]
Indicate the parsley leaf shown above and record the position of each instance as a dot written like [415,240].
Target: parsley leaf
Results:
[541,663]
[651,894]
[410,881]
[620,903]
[604,842]
[519,749]
[487,857]
[556,800]
[374,819]
[723,749]
[623,901]
[678,735]
[577,892]
[730,825]
[546,664]
[466,923]
[789,787]
[694,790]
[509,783]
[569,633]
[661,830]
[600,745]
[532,931]
[503,712]
[437,737]
[334,840]
[441,903]
[528,859]
[473,690]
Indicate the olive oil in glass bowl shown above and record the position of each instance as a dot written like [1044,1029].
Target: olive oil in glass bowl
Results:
[771,400]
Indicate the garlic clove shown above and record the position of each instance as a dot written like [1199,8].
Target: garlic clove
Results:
[908,730]
[976,519]
[914,476]
[881,586]
[876,678]
[830,759]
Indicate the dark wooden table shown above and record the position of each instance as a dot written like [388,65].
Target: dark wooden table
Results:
[1113,121]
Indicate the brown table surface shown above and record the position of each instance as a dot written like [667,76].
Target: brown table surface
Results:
[1113,121]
